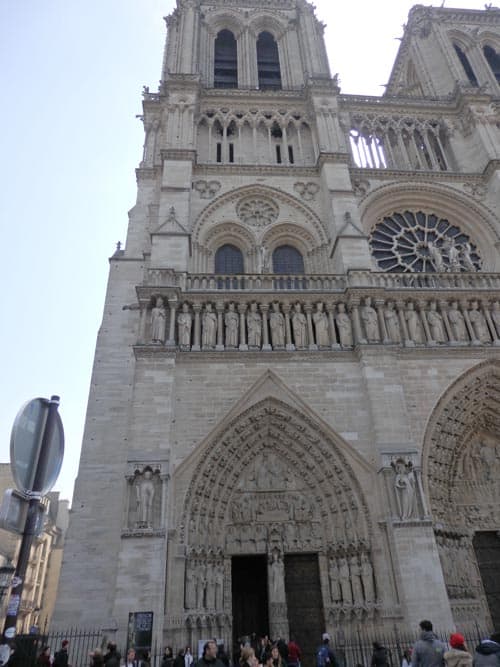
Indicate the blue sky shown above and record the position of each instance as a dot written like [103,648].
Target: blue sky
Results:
[71,75]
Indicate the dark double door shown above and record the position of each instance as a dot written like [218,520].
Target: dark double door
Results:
[487,548]
[303,597]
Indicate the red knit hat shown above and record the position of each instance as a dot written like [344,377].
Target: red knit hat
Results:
[457,640]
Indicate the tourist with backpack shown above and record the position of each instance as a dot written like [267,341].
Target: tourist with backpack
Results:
[325,657]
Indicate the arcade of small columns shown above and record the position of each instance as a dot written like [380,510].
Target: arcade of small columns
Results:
[256,322]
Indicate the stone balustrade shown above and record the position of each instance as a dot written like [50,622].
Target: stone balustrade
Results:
[264,282]
[199,322]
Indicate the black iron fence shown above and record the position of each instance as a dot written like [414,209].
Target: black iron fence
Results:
[354,650]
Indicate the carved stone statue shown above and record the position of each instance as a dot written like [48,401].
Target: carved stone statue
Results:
[345,582]
[436,326]
[392,322]
[158,322]
[370,320]
[254,324]
[184,322]
[367,578]
[457,323]
[219,588]
[413,322]
[190,587]
[210,598]
[453,255]
[404,485]
[436,257]
[466,258]
[320,320]
[357,588]
[231,320]
[299,326]
[333,576]
[145,491]
[277,324]
[495,316]
[277,571]
[344,326]
[478,323]
[209,322]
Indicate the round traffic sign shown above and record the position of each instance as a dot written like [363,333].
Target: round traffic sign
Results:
[26,443]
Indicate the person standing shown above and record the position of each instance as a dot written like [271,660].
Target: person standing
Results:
[209,657]
[294,653]
[61,657]
[188,657]
[168,657]
[324,655]
[487,653]
[379,656]
[457,656]
[112,658]
[428,650]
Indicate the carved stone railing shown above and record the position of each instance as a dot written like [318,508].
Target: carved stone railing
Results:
[454,316]
[209,282]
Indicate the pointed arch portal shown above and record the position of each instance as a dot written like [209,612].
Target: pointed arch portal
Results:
[462,472]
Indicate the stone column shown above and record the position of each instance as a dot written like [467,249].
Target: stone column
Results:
[310,333]
[356,322]
[243,334]
[219,307]
[288,331]
[196,347]
[264,309]
[171,331]
[379,305]
[330,309]
[278,613]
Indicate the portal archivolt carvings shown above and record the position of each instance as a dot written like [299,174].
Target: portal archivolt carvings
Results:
[273,470]
[462,453]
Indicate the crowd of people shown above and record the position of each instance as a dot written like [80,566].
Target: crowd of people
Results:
[253,651]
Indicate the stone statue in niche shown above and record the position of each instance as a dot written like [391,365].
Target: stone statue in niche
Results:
[184,323]
[219,587]
[277,572]
[231,321]
[254,325]
[210,597]
[344,326]
[190,587]
[209,321]
[367,578]
[413,323]
[436,257]
[392,323]
[370,320]
[145,493]
[158,322]
[333,576]
[466,258]
[277,324]
[495,316]
[345,581]
[436,326]
[299,326]
[404,485]
[453,255]
[457,323]
[357,588]
[320,320]
[478,323]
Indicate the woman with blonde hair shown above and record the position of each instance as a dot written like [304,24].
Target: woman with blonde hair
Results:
[247,657]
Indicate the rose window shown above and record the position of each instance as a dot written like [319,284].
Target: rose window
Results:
[257,212]
[422,242]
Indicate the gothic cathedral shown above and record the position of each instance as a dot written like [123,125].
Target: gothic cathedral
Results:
[294,416]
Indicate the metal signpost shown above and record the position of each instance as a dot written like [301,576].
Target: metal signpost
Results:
[36,455]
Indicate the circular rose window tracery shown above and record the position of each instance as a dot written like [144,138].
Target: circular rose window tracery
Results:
[420,241]
[257,212]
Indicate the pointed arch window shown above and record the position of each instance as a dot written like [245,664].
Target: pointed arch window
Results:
[466,65]
[288,260]
[493,59]
[225,60]
[228,260]
[268,62]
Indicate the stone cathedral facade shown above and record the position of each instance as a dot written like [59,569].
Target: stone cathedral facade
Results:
[293,423]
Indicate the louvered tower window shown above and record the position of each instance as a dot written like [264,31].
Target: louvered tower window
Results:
[268,62]
[225,60]
[466,65]
[493,59]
